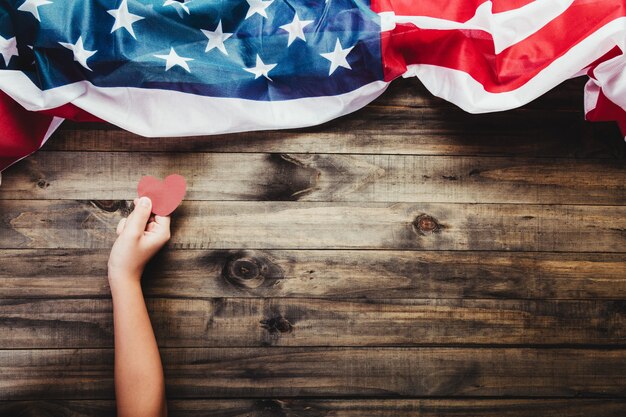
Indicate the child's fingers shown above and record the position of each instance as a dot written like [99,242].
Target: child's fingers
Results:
[162,221]
[120,226]
[136,223]
[162,226]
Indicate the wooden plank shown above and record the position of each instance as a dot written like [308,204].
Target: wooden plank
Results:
[236,322]
[383,131]
[405,120]
[321,177]
[308,225]
[79,273]
[289,372]
[380,129]
[288,407]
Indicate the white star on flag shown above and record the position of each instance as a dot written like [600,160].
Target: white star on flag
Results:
[261,69]
[295,28]
[32,5]
[124,19]
[337,57]
[8,49]
[258,6]
[216,38]
[173,59]
[81,55]
[178,6]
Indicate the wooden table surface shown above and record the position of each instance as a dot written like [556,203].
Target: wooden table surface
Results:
[406,260]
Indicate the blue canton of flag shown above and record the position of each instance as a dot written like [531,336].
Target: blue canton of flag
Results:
[254,49]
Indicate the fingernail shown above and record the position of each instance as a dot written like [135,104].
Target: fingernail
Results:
[144,202]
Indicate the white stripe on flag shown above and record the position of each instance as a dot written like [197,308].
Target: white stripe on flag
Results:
[611,76]
[153,112]
[467,93]
[506,28]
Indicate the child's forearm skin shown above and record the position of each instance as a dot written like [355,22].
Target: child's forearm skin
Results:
[139,382]
[139,385]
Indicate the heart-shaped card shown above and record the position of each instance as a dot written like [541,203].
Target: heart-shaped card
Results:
[166,195]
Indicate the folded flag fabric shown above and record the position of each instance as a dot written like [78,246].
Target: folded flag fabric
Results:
[195,67]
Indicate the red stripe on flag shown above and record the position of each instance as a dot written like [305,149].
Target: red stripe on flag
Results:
[606,111]
[615,52]
[469,51]
[472,51]
[21,131]
[457,10]
[500,6]
[71,112]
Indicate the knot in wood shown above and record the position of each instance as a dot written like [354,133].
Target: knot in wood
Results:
[42,183]
[246,272]
[426,225]
[110,206]
[277,324]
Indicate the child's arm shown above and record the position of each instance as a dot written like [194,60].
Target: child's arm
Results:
[139,383]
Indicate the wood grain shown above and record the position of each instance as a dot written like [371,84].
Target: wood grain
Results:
[288,407]
[407,119]
[236,322]
[288,372]
[321,177]
[538,134]
[300,225]
[378,129]
[408,259]
[80,273]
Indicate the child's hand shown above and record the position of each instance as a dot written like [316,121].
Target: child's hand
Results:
[138,241]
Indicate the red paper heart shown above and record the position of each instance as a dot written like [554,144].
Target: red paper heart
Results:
[166,195]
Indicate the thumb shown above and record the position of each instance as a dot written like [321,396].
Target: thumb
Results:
[137,220]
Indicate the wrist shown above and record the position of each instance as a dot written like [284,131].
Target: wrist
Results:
[124,282]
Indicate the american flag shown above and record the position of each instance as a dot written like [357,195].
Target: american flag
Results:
[194,67]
